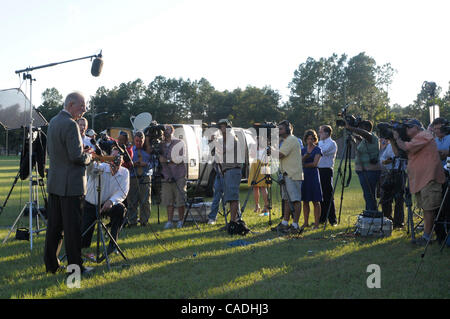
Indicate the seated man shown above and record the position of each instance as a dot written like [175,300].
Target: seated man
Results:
[115,181]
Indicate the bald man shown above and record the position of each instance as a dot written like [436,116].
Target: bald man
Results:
[66,184]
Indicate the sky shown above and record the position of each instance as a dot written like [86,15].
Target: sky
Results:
[232,43]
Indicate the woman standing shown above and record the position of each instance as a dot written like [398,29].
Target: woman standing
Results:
[311,189]
[257,173]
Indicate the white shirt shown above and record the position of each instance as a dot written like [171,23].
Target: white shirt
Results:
[329,150]
[385,154]
[87,142]
[115,188]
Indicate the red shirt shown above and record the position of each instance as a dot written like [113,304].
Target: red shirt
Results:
[424,164]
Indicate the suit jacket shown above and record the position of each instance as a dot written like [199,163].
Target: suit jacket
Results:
[67,170]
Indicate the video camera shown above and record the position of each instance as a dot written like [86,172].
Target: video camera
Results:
[269,125]
[352,120]
[155,133]
[386,129]
[104,144]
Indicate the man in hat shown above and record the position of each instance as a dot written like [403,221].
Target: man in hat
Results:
[425,172]
[230,166]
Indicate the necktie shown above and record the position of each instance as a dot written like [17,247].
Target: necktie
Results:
[140,169]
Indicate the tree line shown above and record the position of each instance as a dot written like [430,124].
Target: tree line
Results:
[319,90]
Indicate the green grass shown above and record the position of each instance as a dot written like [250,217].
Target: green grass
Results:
[189,263]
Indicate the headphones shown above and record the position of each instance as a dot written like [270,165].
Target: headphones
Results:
[287,125]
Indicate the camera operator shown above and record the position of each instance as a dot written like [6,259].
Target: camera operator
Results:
[218,187]
[115,181]
[173,188]
[366,163]
[292,170]
[425,172]
[391,183]
[140,179]
[226,153]
[442,138]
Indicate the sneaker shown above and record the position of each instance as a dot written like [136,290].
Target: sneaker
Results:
[211,222]
[282,228]
[180,224]
[168,225]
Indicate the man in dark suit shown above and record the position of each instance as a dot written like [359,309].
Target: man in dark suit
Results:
[66,184]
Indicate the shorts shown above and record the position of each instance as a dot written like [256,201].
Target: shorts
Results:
[293,188]
[232,182]
[430,197]
[173,194]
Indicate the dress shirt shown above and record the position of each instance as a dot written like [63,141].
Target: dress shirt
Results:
[115,188]
[147,158]
[329,150]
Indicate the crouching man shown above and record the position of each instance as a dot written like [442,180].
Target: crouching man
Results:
[114,186]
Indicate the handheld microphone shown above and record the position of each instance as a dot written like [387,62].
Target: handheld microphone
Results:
[97,65]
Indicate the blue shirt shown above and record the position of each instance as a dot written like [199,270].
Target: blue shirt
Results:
[147,158]
[443,145]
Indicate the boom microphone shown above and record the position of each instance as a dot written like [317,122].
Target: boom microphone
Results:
[97,65]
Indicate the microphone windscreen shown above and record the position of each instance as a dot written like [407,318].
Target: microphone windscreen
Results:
[97,66]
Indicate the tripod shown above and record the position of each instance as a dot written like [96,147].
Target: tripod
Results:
[34,208]
[267,179]
[27,76]
[346,159]
[101,229]
[436,221]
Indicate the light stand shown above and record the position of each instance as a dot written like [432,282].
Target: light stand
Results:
[27,76]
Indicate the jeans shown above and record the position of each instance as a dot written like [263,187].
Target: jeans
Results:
[368,181]
[218,193]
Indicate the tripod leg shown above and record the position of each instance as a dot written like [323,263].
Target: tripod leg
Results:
[14,225]
[111,238]
[10,191]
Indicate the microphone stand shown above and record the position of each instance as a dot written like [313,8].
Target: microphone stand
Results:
[27,76]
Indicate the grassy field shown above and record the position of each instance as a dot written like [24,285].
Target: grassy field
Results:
[192,263]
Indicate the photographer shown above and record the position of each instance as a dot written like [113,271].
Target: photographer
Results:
[391,183]
[425,172]
[366,163]
[115,183]
[230,167]
[442,139]
[174,176]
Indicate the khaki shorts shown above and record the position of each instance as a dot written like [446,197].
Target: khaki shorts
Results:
[430,197]
[173,194]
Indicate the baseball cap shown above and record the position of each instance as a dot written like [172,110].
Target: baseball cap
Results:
[413,122]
